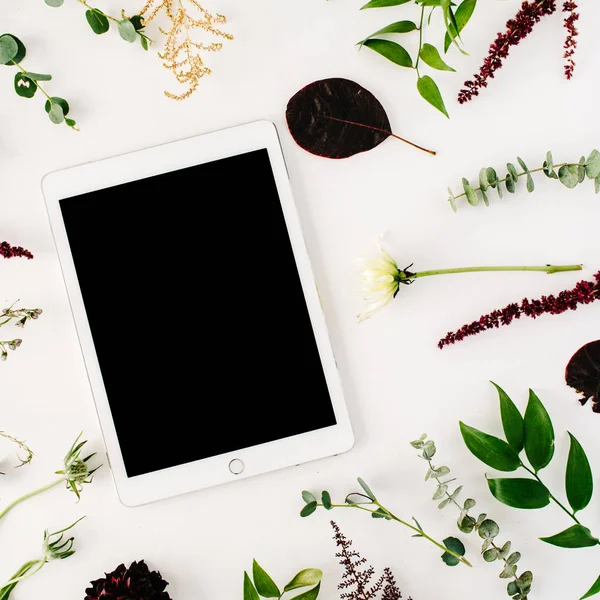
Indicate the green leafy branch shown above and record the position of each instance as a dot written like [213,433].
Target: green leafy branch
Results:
[453,548]
[569,174]
[534,433]
[487,529]
[454,21]
[130,28]
[264,586]
[26,84]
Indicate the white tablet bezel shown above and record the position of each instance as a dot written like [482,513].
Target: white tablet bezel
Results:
[173,156]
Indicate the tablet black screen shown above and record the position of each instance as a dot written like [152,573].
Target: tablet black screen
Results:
[197,312]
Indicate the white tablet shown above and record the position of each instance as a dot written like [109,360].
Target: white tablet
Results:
[197,313]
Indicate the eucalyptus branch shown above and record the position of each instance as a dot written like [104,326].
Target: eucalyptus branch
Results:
[569,174]
[26,84]
[74,474]
[453,548]
[22,446]
[487,529]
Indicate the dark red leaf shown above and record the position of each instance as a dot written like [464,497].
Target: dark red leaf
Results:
[583,373]
[338,118]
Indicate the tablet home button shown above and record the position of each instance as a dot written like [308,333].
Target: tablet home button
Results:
[236,466]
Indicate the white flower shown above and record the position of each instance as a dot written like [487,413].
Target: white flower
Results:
[380,282]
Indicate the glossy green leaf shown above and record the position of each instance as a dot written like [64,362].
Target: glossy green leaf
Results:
[250,592]
[144,42]
[538,433]
[304,578]
[463,15]
[568,175]
[57,101]
[308,497]
[309,595]
[391,50]
[8,48]
[398,27]
[127,30]
[138,22]
[576,536]
[366,488]
[265,586]
[430,56]
[309,509]
[70,122]
[520,493]
[455,545]
[593,590]
[24,86]
[592,165]
[97,21]
[492,451]
[383,3]
[512,421]
[430,92]
[579,482]
[326,500]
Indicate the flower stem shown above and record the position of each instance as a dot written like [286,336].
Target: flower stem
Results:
[420,532]
[420,40]
[544,268]
[8,587]
[30,495]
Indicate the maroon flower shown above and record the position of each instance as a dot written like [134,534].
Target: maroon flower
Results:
[516,29]
[135,583]
[8,251]
[572,33]
[584,292]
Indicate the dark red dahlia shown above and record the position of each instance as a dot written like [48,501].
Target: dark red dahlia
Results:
[135,583]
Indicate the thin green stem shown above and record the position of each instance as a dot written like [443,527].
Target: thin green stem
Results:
[30,495]
[97,10]
[420,532]
[525,173]
[571,514]
[7,588]
[420,40]
[544,268]
[27,573]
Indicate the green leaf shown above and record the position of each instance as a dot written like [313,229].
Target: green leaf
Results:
[398,27]
[56,114]
[455,545]
[530,184]
[265,586]
[38,76]
[430,92]
[54,3]
[326,500]
[383,3]
[144,42]
[250,592]
[490,450]
[538,433]
[491,176]
[127,30]
[8,48]
[549,166]
[520,493]
[309,509]
[596,185]
[512,171]
[510,184]
[578,480]
[70,122]
[490,555]
[304,578]
[512,421]
[430,56]
[138,22]
[592,165]
[576,536]
[593,590]
[472,198]
[97,21]
[390,50]
[381,514]
[581,170]
[523,165]
[60,101]
[488,529]
[463,15]
[308,497]
[24,86]
[568,175]
[483,180]
[310,595]
[366,488]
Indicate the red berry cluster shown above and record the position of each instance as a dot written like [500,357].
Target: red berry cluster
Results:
[571,42]
[8,251]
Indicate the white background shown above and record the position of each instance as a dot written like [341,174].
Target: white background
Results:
[398,383]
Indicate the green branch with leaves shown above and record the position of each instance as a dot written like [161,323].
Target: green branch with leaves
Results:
[569,174]
[533,432]
[263,585]
[427,54]
[453,548]
[488,530]
[27,83]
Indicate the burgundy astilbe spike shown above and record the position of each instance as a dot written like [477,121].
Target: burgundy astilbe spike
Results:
[8,251]
[584,292]
[572,33]
[356,579]
[516,30]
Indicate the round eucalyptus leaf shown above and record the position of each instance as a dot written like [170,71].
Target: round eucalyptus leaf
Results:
[54,3]
[64,105]
[490,555]
[56,114]
[24,86]
[309,509]
[308,497]
[137,22]
[97,21]
[326,500]
[127,30]
[12,49]
[489,529]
